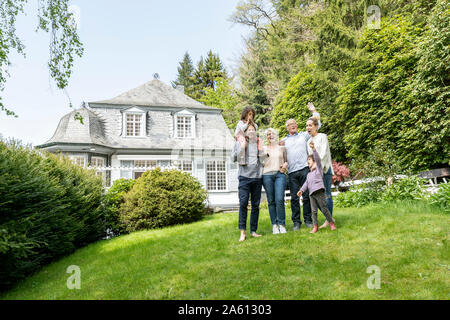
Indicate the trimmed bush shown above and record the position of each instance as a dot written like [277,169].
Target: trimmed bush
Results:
[113,200]
[48,208]
[163,198]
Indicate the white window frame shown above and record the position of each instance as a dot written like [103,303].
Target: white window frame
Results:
[95,159]
[143,123]
[184,114]
[226,175]
[181,163]
[74,158]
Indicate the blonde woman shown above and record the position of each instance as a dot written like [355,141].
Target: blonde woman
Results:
[274,181]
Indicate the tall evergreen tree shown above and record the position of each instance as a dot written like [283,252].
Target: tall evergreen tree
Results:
[208,70]
[185,75]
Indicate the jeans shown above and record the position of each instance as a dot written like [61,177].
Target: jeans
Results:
[275,184]
[296,181]
[327,179]
[249,188]
[318,199]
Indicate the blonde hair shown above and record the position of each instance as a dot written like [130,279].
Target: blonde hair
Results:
[271,130]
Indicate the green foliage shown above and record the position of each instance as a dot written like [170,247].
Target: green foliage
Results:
[113,200]
[208,70]
[384,105]
[163,198]
[315,85]
[410,188]
[375,89]
[442,197]
[185,75]
[49,207]
[224,97]
[55,19]
[358,197]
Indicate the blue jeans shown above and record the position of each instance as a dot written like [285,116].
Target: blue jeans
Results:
[249,188]
[296,181]
[327,179]
[275,184]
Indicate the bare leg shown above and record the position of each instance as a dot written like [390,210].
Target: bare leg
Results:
[243,236]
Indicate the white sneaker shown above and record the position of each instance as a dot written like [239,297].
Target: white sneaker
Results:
[275,229]
[282,229]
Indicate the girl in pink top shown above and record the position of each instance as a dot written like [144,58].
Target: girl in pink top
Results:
[314,184]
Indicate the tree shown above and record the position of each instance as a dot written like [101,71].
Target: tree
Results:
[396,96]
[54,18]
[224,97]
[185,75]
[208,70]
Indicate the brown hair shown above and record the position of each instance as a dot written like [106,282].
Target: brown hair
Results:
[312,157]
[315,120]
[246,111]
[251,124]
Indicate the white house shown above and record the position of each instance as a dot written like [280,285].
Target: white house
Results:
[149,126]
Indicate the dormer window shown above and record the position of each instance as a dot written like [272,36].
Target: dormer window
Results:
[134,122]
[184,124]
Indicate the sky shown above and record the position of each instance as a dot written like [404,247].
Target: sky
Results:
[125,43]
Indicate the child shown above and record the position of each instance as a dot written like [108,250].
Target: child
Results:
[247,117]
[314,183]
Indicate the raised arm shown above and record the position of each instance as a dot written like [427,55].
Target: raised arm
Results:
[314,112]
[317,161]
[321,146]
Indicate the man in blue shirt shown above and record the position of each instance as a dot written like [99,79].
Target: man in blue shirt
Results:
[297,157]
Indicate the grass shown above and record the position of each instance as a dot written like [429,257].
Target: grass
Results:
[204,260]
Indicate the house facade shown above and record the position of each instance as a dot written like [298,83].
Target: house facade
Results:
[153,125]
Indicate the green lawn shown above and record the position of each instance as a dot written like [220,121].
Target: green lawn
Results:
[204,260]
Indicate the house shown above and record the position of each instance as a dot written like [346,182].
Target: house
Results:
[149,126]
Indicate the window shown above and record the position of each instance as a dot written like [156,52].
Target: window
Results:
[134,122]
[184,165]
[184,127]
[145,163]
[134,125]
[79,160]
[216,175]
[184,124]
[97,162]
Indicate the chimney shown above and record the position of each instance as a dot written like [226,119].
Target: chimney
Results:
[180,88]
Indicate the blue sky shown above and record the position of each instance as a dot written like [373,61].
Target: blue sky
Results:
[125,43]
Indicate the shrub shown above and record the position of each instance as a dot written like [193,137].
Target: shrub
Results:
[163,198]
[442,197]
[341,172]
[48,208]
[358,197]
[410,188]
[113,200]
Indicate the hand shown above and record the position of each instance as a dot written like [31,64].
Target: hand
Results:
[311,107]
[283,167]
[299,194]
[281,143]
[311,144]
